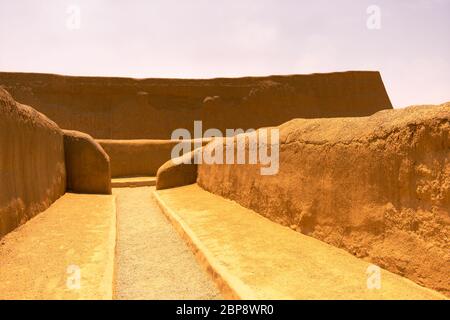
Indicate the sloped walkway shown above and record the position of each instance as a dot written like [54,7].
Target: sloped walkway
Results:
[152,261]
[65,252]
[254,258]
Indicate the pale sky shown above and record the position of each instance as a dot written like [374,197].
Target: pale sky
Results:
[232,38]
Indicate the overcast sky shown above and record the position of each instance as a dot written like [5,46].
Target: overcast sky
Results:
[206,38]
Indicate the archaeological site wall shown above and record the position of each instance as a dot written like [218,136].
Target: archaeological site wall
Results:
[39,162]
[120,108]
[32,170]
[141,157]
[87,164]
[375,183]
[178,172]
[378,187]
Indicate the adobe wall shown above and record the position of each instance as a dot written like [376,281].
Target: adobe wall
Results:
[377,186]
[178,173]
[139,157]
[32,170]
[122,108]
[87,164]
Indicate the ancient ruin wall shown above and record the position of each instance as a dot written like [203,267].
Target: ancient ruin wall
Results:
[120,108]
[178,172]
[32,171]
[140,157]
[376,186]
[87,164]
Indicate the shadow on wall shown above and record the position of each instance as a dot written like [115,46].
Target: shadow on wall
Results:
[32,166]
[38,161]
[87,164]
[178,173]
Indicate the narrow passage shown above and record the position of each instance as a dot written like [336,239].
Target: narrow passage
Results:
[152,261]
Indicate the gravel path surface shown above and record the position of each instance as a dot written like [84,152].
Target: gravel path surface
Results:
[152,261]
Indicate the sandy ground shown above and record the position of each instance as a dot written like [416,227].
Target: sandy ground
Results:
[65,252]
[152,261]
[261,259]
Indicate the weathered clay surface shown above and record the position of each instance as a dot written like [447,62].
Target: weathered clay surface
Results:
[140,157]
[177,173]
[250,257]
[376,186]
[32,172]
[120,108]
[87,164]
[77,231]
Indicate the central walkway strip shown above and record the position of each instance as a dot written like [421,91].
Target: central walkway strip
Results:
[251,257]
[152,261]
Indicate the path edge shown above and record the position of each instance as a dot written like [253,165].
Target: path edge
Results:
[231,287]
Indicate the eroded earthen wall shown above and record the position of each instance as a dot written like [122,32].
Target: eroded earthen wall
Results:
[376,186]
[178,172]
[141,157]
[32,170]
[120,108]
[87,164]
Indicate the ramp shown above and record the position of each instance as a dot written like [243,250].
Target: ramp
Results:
[66,252]
[251,257]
